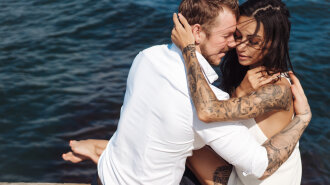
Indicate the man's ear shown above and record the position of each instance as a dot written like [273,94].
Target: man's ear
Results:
[198,33]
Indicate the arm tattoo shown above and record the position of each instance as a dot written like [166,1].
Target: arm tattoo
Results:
[265,99]
[191,50]
[221,175]
[280,147]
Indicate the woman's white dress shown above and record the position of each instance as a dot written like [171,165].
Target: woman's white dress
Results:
[288,174]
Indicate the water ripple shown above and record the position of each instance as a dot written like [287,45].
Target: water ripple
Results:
[64,66]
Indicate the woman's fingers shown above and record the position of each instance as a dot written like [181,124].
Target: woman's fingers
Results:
[264,74]
[274,76]
[265,81]
[261,71]
[257,75]
[184,22]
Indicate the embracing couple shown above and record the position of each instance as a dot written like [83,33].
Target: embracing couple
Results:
[172,117]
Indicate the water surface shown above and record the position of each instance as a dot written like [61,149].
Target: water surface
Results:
[63,75]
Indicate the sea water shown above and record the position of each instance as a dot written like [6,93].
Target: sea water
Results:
[63,75]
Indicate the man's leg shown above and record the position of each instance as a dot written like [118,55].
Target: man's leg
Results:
[209,167]
[189,178]
[90,149]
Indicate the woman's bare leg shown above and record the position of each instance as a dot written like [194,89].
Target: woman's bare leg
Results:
[208,167]
[90,149]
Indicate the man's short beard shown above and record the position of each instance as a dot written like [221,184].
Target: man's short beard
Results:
[208,57]
[204,53]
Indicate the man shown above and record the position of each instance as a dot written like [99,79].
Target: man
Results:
[159,127]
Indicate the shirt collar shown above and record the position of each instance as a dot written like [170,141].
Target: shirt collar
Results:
[209,72]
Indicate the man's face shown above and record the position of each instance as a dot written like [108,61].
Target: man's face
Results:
[221,37]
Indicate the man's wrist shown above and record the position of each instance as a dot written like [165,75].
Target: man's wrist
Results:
[188,48]
[306,118]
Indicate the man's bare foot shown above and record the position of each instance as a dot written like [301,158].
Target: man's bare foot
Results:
[82,150]
[74,158]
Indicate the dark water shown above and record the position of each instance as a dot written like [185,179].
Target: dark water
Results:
[64,66]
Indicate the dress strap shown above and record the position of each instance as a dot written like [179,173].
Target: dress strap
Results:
[286,76]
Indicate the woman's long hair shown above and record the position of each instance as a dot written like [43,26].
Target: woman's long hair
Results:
[274,16]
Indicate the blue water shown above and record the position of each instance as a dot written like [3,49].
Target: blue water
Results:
[64,66]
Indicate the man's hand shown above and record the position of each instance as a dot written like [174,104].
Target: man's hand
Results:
[300,102]
[254,79]
[182,36]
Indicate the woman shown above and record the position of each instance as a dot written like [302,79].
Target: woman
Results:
[262,38]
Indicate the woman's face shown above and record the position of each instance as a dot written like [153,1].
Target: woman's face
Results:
[249,46]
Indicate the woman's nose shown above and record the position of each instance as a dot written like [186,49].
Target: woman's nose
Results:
[240,45]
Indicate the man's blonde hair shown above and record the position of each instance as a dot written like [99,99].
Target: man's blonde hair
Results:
[204,12]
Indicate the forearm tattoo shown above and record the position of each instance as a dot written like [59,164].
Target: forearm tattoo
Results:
[221,175]
[265,99]
[190,49]
[280,147]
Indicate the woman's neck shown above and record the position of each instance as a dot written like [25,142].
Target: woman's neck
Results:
[255,65]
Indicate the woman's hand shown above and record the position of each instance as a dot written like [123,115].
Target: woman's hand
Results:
[254,79]
[300,102]
[182,34]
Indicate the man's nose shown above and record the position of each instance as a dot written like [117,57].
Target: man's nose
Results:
[231,42]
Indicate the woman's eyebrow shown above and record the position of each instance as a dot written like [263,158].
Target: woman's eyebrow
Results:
[254,35]
[249,34]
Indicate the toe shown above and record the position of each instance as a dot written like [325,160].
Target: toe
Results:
[65,156]
[72,142]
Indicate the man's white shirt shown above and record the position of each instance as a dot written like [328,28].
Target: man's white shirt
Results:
[159,127]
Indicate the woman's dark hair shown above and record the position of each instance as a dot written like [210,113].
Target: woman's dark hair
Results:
[274,17]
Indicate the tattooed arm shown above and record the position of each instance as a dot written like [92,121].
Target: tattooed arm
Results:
[280,146]
[210,109]
[267,98]
[241,152]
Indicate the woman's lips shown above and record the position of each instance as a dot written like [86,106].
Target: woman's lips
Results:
[243,57]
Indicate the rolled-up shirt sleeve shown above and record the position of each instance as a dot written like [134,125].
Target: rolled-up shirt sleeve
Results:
[233,142]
